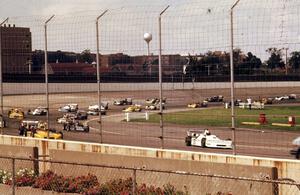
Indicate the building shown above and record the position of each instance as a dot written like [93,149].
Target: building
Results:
[16,49]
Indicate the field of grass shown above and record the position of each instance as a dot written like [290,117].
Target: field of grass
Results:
[222,117]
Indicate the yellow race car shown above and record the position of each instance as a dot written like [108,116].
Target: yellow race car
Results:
[43,134]
[134,108]
[15,113]
[197,104]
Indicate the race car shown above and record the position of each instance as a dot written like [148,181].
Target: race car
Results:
[204,138]
[281,98]
[69,108]
[81,115]
[41,125]
[296,150]
[267,100]
[43,134]
[15,113]
[76,126]
[96,112]
[134,108]
[96,107]
[121,102]
[39,111]
[155,100]
[218,98]
[197,104]
[154,106]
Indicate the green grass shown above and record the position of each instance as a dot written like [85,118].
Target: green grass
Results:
[222,117]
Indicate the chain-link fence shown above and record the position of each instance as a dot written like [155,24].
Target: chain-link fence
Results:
[115,56]
[22,176]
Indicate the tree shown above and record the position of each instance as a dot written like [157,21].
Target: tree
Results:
[249,64]
[294,61]
[86,56]
[275,60]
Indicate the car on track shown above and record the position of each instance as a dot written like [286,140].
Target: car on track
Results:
[133,108]
[39,111]
[96,112]
[43,134]
[15,113]
[154,106]
[76,126]
[217,98]
[281,98]
[155,100]
[292,96]
[296,150]
[41,125]
[68,108]
[122,102]
[204,138]
[197,104]
[267,100]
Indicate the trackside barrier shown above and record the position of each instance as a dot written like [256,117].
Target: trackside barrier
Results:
[287,169]
[136,115]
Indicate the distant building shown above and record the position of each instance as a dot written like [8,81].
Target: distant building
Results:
[16,49]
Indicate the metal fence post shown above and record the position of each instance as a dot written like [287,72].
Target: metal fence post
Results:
[134,182]
[46,73]
[1,79]
[13,176]
[232,78]
[98,75]
[160,78]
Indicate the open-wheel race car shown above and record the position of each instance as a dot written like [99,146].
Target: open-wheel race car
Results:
[121,102]
[204,138]
[73,125]
[197,104]
[133,108]
[69,108]
[296,150]
[39,111]
[15,113]
[216,98]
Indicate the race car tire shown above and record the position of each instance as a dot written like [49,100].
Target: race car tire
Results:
[203,140]
[188,141]
[298,154]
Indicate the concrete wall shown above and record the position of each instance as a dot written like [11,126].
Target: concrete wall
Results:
[19,152]
[194,184]
[36,88]
[286,168]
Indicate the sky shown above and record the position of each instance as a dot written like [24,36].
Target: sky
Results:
[188,26]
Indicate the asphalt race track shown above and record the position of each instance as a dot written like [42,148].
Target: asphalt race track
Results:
[267,143]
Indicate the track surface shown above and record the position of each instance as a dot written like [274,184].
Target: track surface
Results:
[265,143]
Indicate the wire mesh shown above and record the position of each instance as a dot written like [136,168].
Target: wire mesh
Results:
[195,62]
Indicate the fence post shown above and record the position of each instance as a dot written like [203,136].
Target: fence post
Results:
[134,182]
[98,75]
[13,176]
[160,77]
[1,79]
[46,73]
[232,78]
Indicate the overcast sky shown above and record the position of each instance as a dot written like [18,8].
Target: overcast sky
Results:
[189,26]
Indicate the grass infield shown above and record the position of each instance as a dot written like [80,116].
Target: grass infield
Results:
[221,117]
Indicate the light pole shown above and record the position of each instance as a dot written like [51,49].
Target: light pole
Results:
[160,77]
[46,72]
[148,39]
[98,75]
[1,79]
[286,60]
[232,77]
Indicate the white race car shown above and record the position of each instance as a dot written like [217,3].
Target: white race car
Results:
[203,138]
[296,150]
[69,108]
[38,111]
